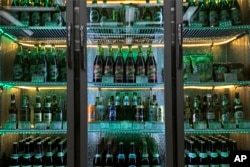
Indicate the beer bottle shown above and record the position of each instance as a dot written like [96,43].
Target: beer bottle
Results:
[54,106]
[192,156]
[204,107]
[157,14]
[187,110]
[35,18]
[196,110]
[126,106]
[38,157]
[109,161]
[60,159]
[25,112]
[147,15]
[59,110]
[25,3]
[13,109]
[26,66]
[97,161]
[203,13]
[33,61]
[151,67]
[15,160]
[121,159]
[134,105]
[98,66]
[109,63]
[203,157]
[15,3]
[47,114]
[152,110]
[155,160]
[38,110]
[139,113]
[27,157]
[132,158]
[112,114]
[36,3]
[94,14]
[144,157]
[119,66]
[140,63]
[235,13]
[18,65]
[210,109]
[130,67]
[225,109]
[119,111]
[47,3]
[224,155]
[238,109]
[224,10]
[213,156]
[42,62]
[49,156]
[53,65]
[104,12]
[63,67]
[100,109]
[213,14]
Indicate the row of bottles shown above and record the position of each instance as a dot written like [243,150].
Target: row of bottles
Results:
[214,13]
[211,108]
[128,13]
[39,64]
[37,3]
[135,108]
[52,109]
[125,71]
[39,152]
[126,154]
[208,151]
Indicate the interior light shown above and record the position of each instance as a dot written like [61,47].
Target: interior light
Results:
[209,87]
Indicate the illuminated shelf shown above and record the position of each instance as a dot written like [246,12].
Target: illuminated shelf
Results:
[216,131]
[30,9]
[44,85]
[32,131]
[126,127]
[216,84]
[125,85]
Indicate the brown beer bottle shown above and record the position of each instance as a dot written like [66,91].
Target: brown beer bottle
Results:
[151,67]
[119,66]
[130,67]
[98,66]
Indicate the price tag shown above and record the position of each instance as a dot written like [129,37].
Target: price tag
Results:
[114,125]
[37,78]
[126,125]
[148,125]
[10,125]
[225,23]
[108,79]
[195,24]
[24,125]
[138,125]
[56,125]
[229,125]
[158,126]
[104,125]
[41,125]
[94,126]
[200,125]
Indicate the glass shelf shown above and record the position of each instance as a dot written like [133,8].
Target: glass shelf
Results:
[30,9]
[215,131]
[216,84]
[125,85]
[53,85]
[126,127]
[32,131]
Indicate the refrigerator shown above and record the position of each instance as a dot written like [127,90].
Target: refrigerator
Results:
[140,111]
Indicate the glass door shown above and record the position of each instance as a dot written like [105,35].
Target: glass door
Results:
[126,84]
[34,79]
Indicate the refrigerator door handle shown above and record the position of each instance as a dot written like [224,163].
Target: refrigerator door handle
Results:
[179,49]
[69,54]
[82,48]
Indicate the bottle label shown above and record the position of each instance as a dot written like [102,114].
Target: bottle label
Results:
[12,117]
[236,16]
[140,71]
[108,70]
[152,113]
[47,117]
[118,73]
[192,155]
[203,17]
[14,166]
[32,70]
[145,165]
[17,72]
[157,16]
[210,115]
[155,165]
[224,154]
[238,115]
[100,111]
[26,165]
[212,165]
[14,156]
[203,155]
[224,15]
[53,71]
[130,72]
[48,166]
[224,165]
[112,114]
[38,156]
[213,18]
[38,117]
[213,154]
[97,72]
[196,117]
[42,70]
[94,16]
[151,72]
[60,154]
[225,117]
[192,165]
[60,166]
[37,166]
[131,166]
[203,165]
